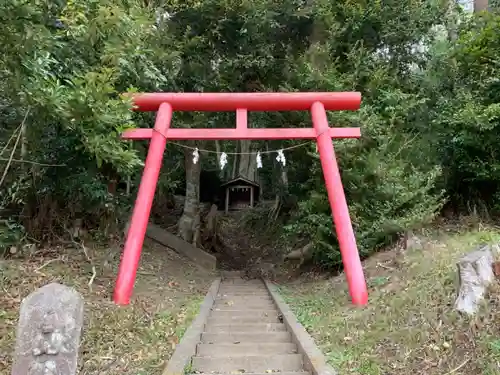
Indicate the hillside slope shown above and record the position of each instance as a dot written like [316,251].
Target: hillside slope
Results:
[409,326]
[133,339]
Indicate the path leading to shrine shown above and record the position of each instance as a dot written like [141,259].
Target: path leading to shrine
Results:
[245,327]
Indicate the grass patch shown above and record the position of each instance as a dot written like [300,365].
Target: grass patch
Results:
[409,326]
[136,339]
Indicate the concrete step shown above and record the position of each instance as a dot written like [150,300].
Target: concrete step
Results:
[244,306]
[243,285]
[239,280]
[259,285]
[279,363]
[231,274]
[226,319]
[224,350]
[242,289]
[257,373]
[244,302]
[233,337]
[252,327]
[244,298]
[243,294]
[235,313]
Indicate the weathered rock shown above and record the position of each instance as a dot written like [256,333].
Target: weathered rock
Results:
[48,332]
[475,275]
[302,255]
[413,242]
[260,270]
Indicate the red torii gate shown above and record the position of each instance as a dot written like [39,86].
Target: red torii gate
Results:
[316,103]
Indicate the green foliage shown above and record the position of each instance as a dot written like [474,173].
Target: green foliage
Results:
[466,111]
[11,233]
[64,68]
[389,187]
[429,114]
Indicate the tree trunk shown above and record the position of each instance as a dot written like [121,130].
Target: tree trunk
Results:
[235,164]
[190,214]
[252,168]
[452,21]
[129,177]
[281,192]
[284,180]
[244,159]
[219,152]
[24,145]
[209,236]
[247,163]
[480,5]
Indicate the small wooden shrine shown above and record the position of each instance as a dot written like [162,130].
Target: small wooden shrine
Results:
[240,194]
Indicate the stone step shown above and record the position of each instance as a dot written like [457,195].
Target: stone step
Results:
[235,313]
[244,306]
[233,337]
[225,350]
[252,327]
[226,319]
[279,363]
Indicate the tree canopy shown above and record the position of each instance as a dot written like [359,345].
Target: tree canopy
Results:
[428,73]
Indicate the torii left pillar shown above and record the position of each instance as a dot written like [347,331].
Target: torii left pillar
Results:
[142,208]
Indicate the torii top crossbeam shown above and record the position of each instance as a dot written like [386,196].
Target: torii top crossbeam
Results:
[316,103]
[264,101]
[242,103]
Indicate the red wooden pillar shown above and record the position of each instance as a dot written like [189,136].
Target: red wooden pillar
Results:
[340,211]
[142,208]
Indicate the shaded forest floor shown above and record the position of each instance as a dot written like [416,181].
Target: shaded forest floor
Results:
[409,326]
[136,339]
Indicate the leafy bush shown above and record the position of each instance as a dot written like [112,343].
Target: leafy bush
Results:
[467,112]
[387,191]
[62,70]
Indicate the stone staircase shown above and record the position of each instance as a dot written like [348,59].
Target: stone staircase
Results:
[245,333]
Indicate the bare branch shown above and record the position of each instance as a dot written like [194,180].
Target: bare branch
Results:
[85,252]
[33,162]
[13,149]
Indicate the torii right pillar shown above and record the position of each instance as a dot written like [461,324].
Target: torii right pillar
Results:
[340,212]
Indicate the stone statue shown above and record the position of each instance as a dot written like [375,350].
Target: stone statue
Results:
[48,332]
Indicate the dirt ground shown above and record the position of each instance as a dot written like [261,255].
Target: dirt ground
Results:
[136,339]
[409,326]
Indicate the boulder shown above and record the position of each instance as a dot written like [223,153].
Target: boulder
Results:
[475,271]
